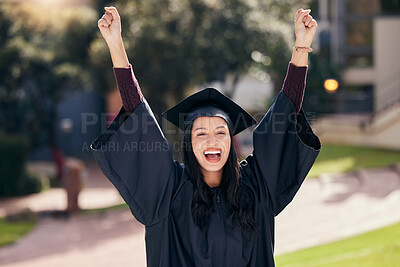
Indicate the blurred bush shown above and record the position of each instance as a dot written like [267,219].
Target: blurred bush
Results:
[14,180]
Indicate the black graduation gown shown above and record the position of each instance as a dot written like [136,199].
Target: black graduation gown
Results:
[134,154]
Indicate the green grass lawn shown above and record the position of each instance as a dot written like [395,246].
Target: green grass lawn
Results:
[12,231]
[339,159]
[377,248]
[102,210]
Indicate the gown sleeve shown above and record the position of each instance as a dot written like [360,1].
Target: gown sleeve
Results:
[136,157]
[285,149]
[128,87]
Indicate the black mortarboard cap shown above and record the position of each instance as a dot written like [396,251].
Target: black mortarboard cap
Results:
[209,102]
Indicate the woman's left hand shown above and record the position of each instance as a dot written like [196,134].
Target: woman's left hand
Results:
[305,27]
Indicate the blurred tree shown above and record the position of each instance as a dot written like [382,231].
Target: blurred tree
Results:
[42,56]
[175,44]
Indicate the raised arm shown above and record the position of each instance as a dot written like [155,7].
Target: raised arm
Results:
[133,152]
[128,86]
[294,83]
[285,147]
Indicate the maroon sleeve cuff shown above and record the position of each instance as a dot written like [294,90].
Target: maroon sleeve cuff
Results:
[128,87]
[294,85]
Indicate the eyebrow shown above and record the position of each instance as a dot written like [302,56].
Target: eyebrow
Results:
[199,128]
[203,128]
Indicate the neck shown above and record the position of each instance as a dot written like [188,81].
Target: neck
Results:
[212,179]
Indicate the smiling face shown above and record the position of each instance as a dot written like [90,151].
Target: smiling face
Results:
[211,144]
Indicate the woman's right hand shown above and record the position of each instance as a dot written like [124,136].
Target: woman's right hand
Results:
[110,26]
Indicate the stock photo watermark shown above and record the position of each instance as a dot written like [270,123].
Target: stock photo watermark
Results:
[138,127]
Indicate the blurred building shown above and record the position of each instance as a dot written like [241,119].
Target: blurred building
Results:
[363,38]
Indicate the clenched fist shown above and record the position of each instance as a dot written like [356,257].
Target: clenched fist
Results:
[305,27]
[110,25]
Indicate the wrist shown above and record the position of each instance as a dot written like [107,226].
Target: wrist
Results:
[302,44]
[299,58]
[115,44]
[118,54]
[302,49]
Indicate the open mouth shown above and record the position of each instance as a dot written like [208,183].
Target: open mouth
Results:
[213,155]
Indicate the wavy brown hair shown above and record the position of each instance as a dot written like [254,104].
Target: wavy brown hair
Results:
[237,197]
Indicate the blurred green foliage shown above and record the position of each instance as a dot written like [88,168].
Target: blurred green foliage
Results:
[173,45]
[13,178]
[177,44]
[43,53]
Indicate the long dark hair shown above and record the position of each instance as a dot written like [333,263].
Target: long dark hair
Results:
[238,198]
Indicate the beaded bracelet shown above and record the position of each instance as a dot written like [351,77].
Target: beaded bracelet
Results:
[303,49]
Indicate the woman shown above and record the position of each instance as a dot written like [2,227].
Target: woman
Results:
[211,211]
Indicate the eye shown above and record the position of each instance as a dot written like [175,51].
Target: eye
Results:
[200,134]
[221,133]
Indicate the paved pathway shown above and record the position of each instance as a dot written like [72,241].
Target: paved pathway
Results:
[97,192]
[327,209]
[335,207]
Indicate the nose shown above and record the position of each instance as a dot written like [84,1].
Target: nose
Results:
[212,139]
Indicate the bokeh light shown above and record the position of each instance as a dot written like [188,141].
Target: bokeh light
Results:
[331,85]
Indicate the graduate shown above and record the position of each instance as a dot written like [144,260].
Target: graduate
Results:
[211,210]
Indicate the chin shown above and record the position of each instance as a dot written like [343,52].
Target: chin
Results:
[213,167]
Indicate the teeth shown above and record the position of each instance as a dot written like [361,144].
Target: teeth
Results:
[211,152]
